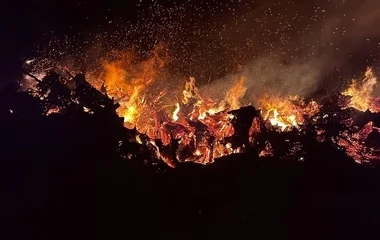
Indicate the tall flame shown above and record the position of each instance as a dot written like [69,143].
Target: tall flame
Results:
[176,111]
[128,80]
[190,91]
[237,92]
[361,92]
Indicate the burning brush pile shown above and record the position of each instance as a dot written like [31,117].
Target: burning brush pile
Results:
[183,123]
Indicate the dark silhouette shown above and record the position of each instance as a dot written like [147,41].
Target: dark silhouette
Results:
[65,176]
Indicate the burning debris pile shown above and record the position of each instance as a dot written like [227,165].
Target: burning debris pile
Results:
[199,129]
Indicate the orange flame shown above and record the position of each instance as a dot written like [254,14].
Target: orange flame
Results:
[176,111]
[361,92]
[128,81]
[237,92]
[286,113]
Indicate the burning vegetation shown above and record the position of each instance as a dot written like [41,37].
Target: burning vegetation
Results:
[182,123]
[361,93]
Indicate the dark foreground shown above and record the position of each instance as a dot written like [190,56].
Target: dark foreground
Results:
[62,179]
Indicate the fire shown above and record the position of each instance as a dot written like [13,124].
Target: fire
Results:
[183,123]
[190,91]
[237,92]
[286,113]
[281,121]
[361,92]
[352,142]
[200,125]
[128,80]
[176,111]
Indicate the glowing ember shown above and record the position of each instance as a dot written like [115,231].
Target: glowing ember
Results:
[268,151]
[53,110]
[281,121]
[286,113]
[353,144]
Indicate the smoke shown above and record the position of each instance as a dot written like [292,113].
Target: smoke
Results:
[295,47]
[304,47]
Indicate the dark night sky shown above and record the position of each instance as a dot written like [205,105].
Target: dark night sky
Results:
[212,38]
[24,23]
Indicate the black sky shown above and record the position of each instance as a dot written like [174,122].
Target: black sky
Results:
[210,38]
